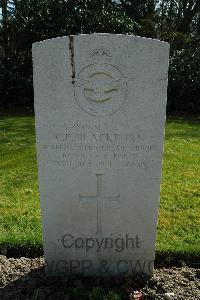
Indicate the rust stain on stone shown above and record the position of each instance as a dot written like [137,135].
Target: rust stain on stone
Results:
[71,50]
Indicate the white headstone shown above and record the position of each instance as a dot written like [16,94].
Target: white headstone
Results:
[100,103]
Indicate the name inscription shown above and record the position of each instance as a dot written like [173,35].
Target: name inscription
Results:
[79,145]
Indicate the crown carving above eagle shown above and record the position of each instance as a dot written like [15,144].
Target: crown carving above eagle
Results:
[100,55]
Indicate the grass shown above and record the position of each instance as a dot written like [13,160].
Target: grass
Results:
[179,221]
[19,205]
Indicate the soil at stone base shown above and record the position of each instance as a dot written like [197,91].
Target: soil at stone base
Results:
[24,278]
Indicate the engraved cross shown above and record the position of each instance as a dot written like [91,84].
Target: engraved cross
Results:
[99,197]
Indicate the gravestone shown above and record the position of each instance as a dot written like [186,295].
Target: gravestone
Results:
[100,103]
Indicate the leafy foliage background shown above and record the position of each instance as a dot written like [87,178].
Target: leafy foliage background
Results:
[24,22]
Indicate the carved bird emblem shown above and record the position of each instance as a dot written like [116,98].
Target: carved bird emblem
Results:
[100,91]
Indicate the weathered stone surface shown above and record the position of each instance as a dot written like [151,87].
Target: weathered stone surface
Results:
[100,111]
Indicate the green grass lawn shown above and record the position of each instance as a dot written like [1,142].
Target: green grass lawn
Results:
[179,215]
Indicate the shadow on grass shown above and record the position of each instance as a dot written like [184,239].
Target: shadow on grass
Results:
[17,134]
[183,129]
[18,125]
[162,258]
